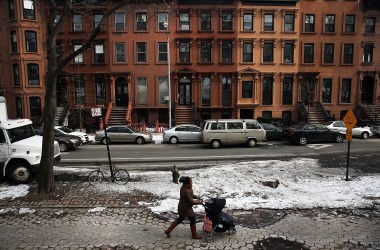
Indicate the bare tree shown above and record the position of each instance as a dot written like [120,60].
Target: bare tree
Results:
[64,10]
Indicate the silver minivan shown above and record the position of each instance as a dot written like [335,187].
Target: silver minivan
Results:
[232,131]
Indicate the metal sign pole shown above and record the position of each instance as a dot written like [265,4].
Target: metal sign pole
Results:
[348,160]
[108,148]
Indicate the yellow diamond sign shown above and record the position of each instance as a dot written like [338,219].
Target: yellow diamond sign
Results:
[350,120]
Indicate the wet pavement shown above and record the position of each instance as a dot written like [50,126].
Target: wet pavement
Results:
[67,220]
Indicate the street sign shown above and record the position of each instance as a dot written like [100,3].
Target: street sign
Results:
[350,120]
[349,134]
[96,112]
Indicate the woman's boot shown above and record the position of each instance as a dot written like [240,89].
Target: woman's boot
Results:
[170,229]
[194,233]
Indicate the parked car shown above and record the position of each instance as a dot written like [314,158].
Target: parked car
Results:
[183,133]
[304,133]
[273,133]
[375,129]
[232,131]
[361,132]
[66,130]
[66,142]
[123,134]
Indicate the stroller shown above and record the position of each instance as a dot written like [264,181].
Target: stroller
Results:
[216,220]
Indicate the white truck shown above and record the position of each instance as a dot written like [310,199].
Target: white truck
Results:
[20,148]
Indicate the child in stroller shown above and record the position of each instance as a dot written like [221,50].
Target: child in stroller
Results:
[217,220]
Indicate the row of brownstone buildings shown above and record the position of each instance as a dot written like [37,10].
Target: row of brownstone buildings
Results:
[228,59]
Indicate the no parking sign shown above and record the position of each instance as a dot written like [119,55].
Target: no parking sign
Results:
[96,112]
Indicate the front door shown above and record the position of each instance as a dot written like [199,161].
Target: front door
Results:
[121,92]
[367,90]
[184,92]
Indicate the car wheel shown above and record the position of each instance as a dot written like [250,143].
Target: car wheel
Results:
[302,140]
[140,140]
[339,138]
[173,140]
[251,143]
[104,141]
[364,135]
[19,173]
[215,144]
[63,147]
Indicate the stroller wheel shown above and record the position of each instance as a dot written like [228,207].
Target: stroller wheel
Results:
[232,231]
[209,238]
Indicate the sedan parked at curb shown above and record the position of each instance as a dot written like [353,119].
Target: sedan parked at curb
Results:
[123,134]
[339,126]
[273,133]
[66,130]
[183,133]
[304,133]
[66,142]
[375,129]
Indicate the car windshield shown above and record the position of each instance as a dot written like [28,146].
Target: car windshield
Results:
[20,133]
[66,129]
[135,130]
[327,123]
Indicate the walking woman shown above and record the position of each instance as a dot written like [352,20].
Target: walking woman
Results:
[185,207]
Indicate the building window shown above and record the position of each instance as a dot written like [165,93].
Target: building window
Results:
[28,10]
[97,19]
[205,52]
[78,58]
[328,53]
[226,90]
[99,54]
[33,74]
[77,22]
[120,52]
[35,106]
[266,114]
[248,21]
[206,91]
[80,91]
[19,113]
[289,22]
[163,90]
[142,91]
[267,90]
[309,23]
[205,21]
[16,75]
[248,52]
[246,89]
[268,22]
[346,90]
[162,21]
[141,52]
[289,53]
[370,24]
[100,82]
[348,50]
[367,53]
[31,41]
[330,23]
[58,51]
[14,47]
[226,20]
[11,9]
[184,21]
[184,52]
[349,26]
[287,90]
[326,90]
[162,52]
[308,56]
[119,21]
[226,47]
[268,52]
[141,22]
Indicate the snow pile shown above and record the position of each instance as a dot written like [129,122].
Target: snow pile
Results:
[13,191]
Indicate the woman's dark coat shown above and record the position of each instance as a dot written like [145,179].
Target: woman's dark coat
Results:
[186,201]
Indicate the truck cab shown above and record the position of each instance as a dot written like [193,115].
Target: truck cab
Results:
[20,148]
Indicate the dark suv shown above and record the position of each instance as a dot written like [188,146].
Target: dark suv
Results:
[66,142]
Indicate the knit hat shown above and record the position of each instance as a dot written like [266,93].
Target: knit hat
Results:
[184,179]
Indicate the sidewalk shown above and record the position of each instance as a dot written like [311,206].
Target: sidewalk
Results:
[76,217]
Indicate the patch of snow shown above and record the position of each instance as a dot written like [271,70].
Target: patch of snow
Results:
[7,210]
[13,191]
[96,209]
[26,210]
[157,138]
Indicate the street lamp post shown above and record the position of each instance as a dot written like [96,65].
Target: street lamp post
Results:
[166,25]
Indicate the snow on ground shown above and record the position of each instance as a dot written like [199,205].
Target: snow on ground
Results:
[303,184]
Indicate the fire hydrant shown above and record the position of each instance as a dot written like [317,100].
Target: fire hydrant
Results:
[175,174]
